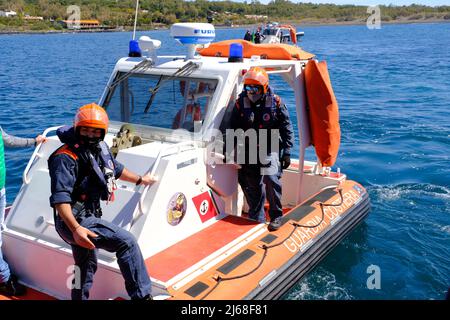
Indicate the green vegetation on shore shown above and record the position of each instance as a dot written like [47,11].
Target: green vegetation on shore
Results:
[157,13]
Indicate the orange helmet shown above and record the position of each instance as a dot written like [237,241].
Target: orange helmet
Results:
[258,76]
[92,116]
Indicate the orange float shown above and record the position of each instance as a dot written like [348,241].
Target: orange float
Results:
[323,112]
[279,51]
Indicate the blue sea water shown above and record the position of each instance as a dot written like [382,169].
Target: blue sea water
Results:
[393,89]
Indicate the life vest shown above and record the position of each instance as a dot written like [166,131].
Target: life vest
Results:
[103,182]
[265,118]
[257,37]
[2,162]
[192,110]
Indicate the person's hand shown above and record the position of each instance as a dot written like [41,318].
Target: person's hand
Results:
[40,139]
[285,161]
[81,236]
[148,179]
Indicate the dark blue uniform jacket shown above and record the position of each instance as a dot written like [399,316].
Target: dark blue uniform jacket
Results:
[72,176]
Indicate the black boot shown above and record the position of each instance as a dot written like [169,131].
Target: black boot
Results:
[12,287]
[275,224]
[146,298]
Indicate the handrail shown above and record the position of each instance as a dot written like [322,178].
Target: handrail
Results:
[36,155]
[280,71]
[152,171]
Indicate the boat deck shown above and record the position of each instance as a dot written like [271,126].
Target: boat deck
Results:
[174,260]
[183,255]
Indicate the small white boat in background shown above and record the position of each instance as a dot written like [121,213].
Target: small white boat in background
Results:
[281,33]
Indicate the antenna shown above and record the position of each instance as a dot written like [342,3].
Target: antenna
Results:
[135,51]
[135,19]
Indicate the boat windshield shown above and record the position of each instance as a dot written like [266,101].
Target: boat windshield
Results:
[270,32]
[160,101]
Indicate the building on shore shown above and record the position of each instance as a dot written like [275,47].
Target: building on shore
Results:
[32,18]
[8,14]
[256,17]
[81,24]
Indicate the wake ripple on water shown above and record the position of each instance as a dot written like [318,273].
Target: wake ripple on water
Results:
[446,229]
[418,206]
[420,191]
[330,289]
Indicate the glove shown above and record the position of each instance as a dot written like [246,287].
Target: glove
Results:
[285,161]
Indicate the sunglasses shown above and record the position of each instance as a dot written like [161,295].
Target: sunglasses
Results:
[253,89]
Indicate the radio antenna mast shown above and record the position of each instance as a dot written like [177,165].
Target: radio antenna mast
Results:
[135,19]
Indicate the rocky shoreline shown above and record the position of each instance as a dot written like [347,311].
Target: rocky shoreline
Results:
[309,23]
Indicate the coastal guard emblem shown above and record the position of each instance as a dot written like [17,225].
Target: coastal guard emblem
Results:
[205,206]
[176,209]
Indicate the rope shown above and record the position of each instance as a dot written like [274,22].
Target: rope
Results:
[321,204]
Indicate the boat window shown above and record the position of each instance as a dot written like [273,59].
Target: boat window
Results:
[160,101]
[270,32]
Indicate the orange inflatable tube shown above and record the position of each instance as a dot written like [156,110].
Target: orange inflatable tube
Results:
[279,51]
[323,112]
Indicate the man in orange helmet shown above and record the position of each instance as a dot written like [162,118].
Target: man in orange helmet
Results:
[83,173]
[256,108]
